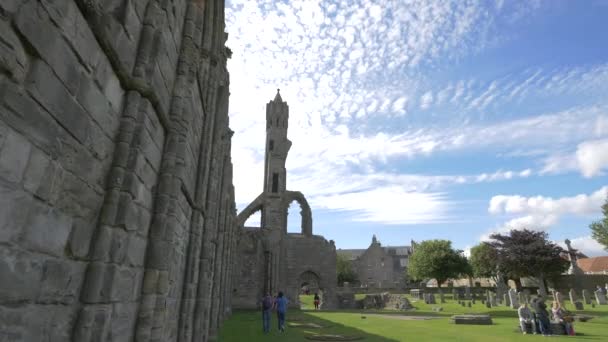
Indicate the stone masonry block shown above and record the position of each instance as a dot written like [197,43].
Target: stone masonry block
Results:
[93,323]
[68,18]
[46,230]
[50,92]
[122,322]
[21,273]
[42,176]
[12,212]
[97,105]
[27,322]
[13,58]
[136,250]
[80,239]
[61,281]
[13,157]
[34,23]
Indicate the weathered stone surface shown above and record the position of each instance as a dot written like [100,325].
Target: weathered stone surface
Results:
[106,176]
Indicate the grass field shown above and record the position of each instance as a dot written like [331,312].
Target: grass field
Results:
[386,325]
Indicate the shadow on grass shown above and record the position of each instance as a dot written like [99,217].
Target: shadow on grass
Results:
[246,325]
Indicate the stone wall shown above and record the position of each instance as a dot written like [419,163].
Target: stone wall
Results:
[311,257]
[117,216]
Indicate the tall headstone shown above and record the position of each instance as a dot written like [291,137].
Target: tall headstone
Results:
[513,298]
[467,292]
[506,299]
[600,297]
[488,298]
[521,297]
[573,297]
[559,297]
[586,297]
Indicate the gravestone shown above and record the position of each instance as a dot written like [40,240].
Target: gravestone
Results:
[586,297]
[600,297]
[579,305]
[469,304]
[506,299]
[572,295]
[488,305]
[467,292]
[559,297]
[514,299]
[429,298]
[488,298]
[527,295]
[455,294]
[521,297]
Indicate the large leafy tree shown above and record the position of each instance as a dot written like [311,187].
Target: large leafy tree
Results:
[599,229]
[345,270]
[484,260]
[436,259]
[527,253]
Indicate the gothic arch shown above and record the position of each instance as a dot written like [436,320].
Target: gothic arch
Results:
[252,208]
[297,196]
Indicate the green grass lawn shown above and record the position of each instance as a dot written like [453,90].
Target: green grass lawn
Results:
[386,325]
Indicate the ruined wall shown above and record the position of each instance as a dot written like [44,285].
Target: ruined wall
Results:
[311,254]
[117,217]
[249,272]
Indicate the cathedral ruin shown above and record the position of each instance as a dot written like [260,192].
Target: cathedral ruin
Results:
[117,213]
[269,258]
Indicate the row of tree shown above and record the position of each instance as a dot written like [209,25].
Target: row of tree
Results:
[515,255]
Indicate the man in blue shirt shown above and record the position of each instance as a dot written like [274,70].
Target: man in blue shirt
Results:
[281,305]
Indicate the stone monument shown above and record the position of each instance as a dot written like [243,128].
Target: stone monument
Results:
[269,258]
[586,297]
[600,297]
[513,298]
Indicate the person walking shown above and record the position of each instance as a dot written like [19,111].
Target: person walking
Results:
[267,304]
[281,307]
[317,301]
[526,317]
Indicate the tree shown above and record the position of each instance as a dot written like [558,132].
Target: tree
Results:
[599,229]
[527,253]
[484,261]
[345,270]
[437,259]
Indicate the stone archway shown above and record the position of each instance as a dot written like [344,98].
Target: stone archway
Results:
[306,212]
[252,208]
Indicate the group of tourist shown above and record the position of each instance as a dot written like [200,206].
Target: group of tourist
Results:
[278,303]
[539,320]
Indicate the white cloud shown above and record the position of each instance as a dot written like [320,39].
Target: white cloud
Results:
[540,205]
[542,213]
[590,159]
[426,100]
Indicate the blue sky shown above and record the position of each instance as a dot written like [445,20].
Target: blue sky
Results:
[428,119]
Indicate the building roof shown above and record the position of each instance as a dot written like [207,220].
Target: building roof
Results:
[353,254]
[593,265]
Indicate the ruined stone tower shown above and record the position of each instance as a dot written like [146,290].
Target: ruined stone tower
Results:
[117,215]
[270,259]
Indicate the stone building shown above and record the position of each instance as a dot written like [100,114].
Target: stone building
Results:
[380,266]
[117,215]
[269,258]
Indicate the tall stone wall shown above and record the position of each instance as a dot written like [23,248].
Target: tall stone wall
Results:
[117,216]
